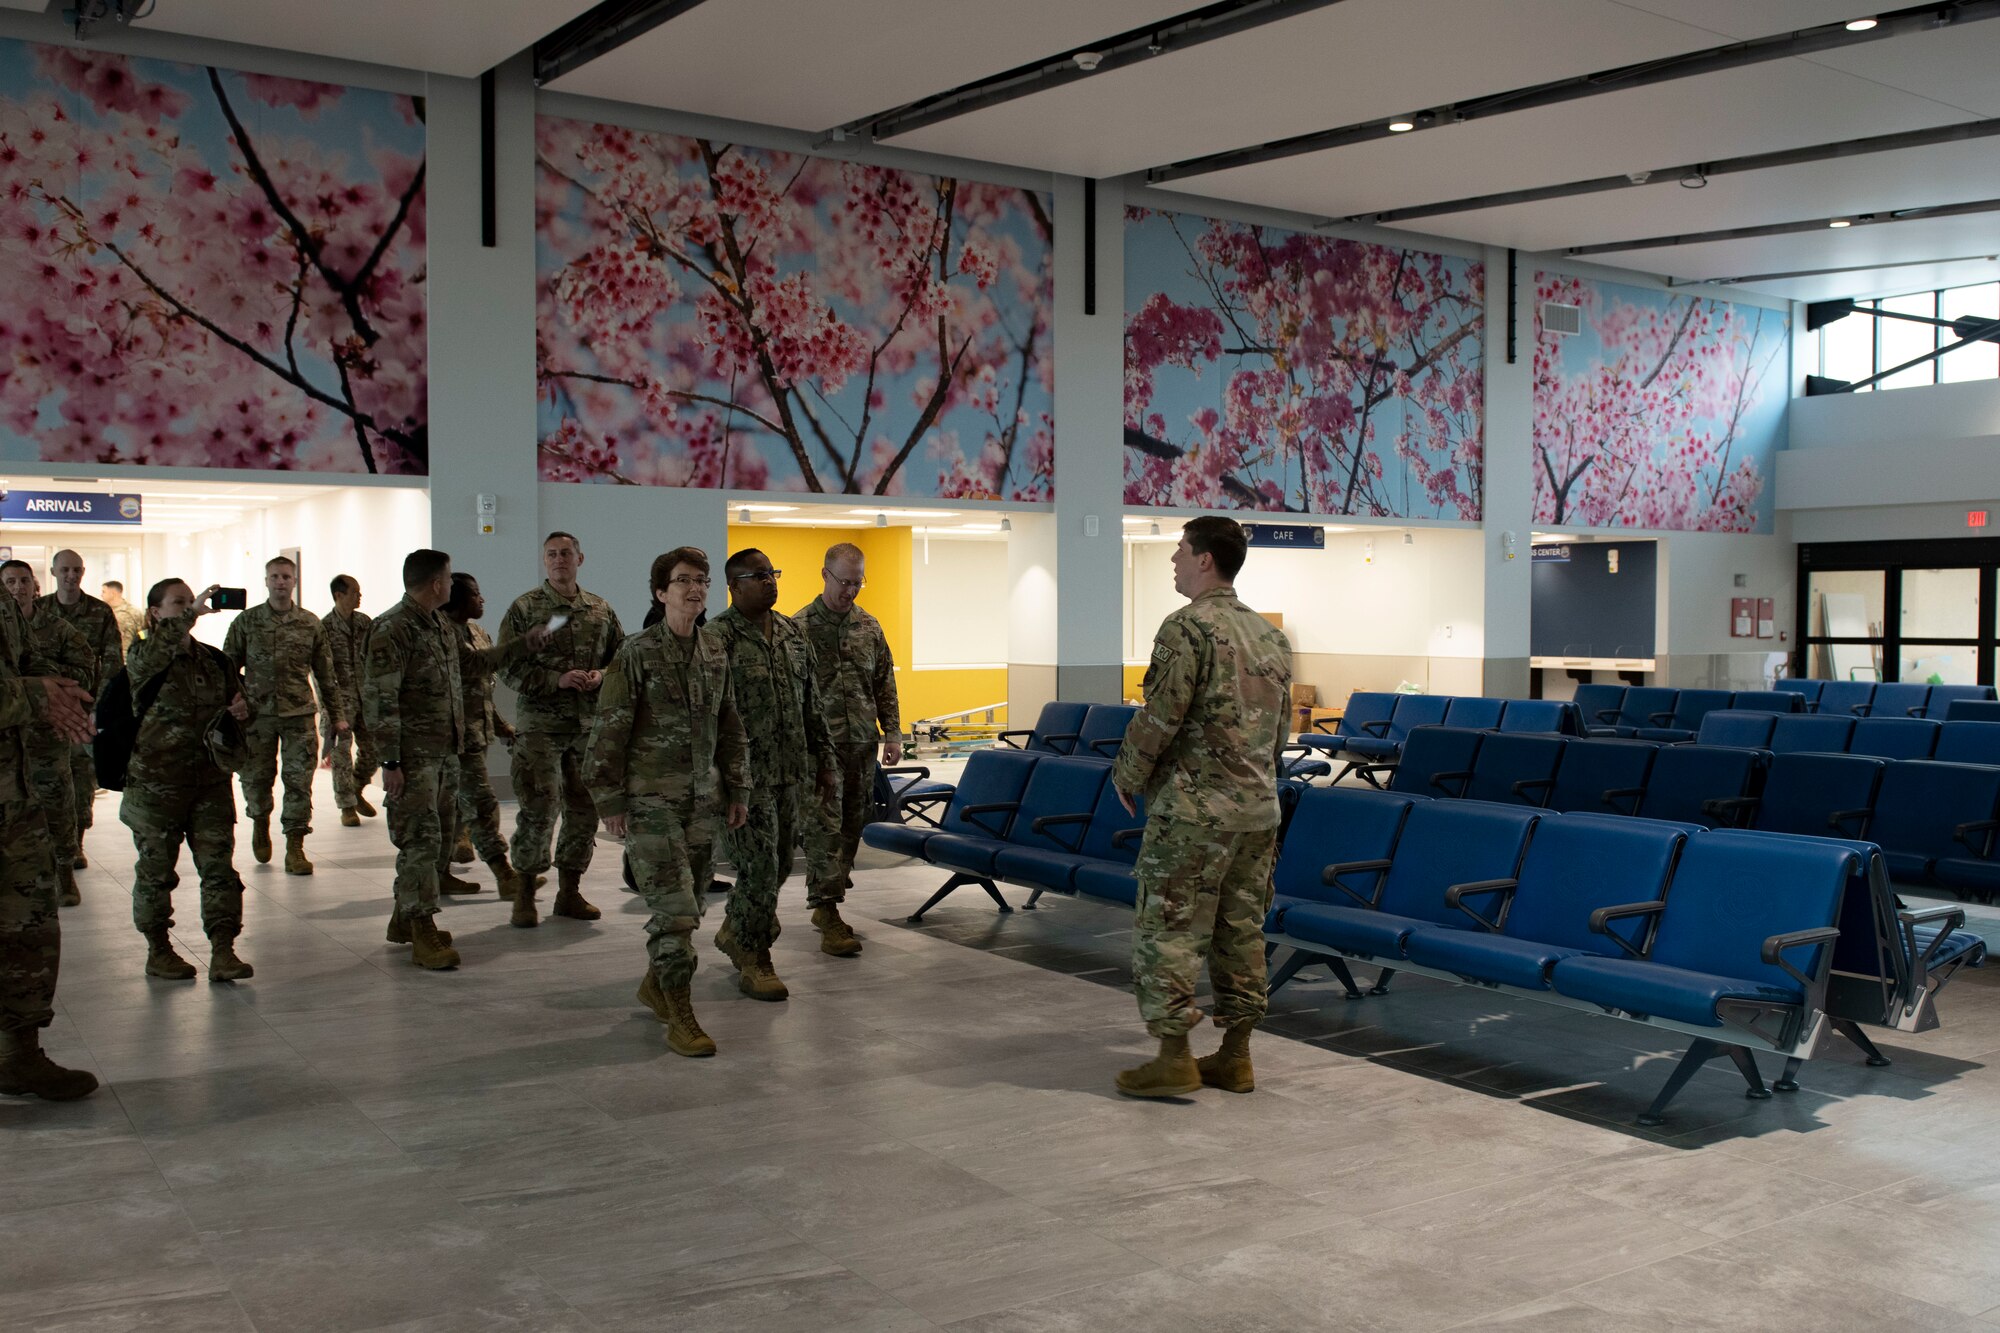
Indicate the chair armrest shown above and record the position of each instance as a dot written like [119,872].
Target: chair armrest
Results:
[1661,719]
[1601,919]
[1455,897]
[1047,822]
[1321,724]
[1859,817]
[1332,874]
[1861,710]
[1971,826]
[1007,738]
[1114,743]
[1366,772]
[1059,738]
[971,814]
[1913,712]
[1729,807]
[1608,716]
[1775,945]
[1458,775]
[1953,917]
[1294,748]
[1520,785]
[1378,729]
[1125,837]
[1614,794]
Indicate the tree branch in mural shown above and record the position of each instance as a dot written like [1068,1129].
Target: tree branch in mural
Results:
[702,303]
[1651,426]
[243,300]
[1335,348]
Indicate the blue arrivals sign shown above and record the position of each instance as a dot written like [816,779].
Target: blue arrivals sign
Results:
[67,507]
[1296,536]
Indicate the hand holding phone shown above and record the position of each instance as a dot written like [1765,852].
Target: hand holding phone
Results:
[230,599]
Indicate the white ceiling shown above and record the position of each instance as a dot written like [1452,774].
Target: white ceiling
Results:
[1824,248]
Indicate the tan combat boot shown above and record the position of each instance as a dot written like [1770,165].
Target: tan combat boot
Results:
[224,965]
[350,819]
[759,980]
[462,853]
[429,949]
[524,914]
[71,895]
[725,940]
[362,808]
[450,883]
[504,876]
[260,840]
[1171,1073]
[79,862]
[295,855]
[399,930]
[1229,1067]
[27,1071]
[684,1035]
[162,961]
[570,901]
[834,935]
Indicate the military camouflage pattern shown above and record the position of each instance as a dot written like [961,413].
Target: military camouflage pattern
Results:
[30,935]
[777,697]
[57,648]
[283,655]
[761,851]
[131,623]
[352,751]
[854,673]
[1204,749]
[413,703]
[1203,894]
[668,746]
[104,631]
[548,786]
[586,643]
[478,660]
[833,827]
[478,810]
[174,792]
[287,748]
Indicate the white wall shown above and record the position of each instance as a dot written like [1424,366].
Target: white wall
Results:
[957,588]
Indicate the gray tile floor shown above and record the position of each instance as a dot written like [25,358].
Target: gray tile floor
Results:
[925,1137]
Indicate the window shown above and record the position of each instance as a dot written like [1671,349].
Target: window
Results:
[1862,346]
[1920,611]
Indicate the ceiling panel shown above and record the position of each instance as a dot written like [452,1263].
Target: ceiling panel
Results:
[457,37]
[1955,65]
[1883,243]
[1733,18]
[1759,109]
[1877,183]
[1354,61]
[1881,281]
[782,62]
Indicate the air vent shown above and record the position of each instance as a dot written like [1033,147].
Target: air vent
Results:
[1563,321]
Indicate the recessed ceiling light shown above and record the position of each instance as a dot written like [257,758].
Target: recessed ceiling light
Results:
[1860,25]
[911,513]
[1840,222]
[1401,126]
[765,509]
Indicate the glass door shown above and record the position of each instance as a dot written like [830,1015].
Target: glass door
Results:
[1917,611]
[1939,637]
[1845,624]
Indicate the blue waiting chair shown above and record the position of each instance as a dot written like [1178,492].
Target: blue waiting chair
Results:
[1731,726]
[1894,737]
[1549,716]
[1897,698]
[1429,753]
[1972,710]
[1942,697]
[1819,733]
[1475,711]
[1102,731]
[1054,731]
[1935,823]
[1510,769]
[1412,711]
[1772,701]
[1098,849]
[991,777]
[1333,826]
[1680,726]
[1598,776]
[1060,788]
[1643,706]
[1685,778]
[1846,698]
[1818,795]
[908,792]
[1807,692]
[1599,705]
[1968,743]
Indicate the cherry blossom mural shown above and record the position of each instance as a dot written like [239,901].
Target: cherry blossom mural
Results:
[716,315]
[1665,412]
[1292,372]
[206,268]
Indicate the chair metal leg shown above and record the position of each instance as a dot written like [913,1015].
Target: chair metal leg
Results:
[1338,966]
[1289,969]
[1789,1080]
[993,892]
[1381,986]
[1699,1053]
[1851,1030]
[1746,1065]
[1033,898]
[916,918]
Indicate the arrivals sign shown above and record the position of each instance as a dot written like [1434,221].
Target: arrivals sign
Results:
[1295,536]
[67,507]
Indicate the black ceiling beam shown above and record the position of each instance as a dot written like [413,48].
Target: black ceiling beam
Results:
[598,30]
[1824,272]
[1207,24]
[1696,174]
[1788,228]
[1735,55]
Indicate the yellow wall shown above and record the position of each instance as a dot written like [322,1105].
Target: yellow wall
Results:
[800,552]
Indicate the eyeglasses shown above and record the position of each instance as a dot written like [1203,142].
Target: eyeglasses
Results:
[761,576]
[687,581]
[849,585]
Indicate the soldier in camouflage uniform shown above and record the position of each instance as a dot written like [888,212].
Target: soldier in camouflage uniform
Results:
[771,669]
[1204,752]
[30,935]
[414,703]
[478,808]
[349,754]
[175,791]
[666,718]
[280,647]
[131,620]
[98,624]
[856,682]
[558,696]
[55,648]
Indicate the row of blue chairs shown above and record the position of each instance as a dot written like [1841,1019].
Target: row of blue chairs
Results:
[1894,698]
[1733,937]
[1374,725]
[1658,713]
[1093,730]
[1830,733]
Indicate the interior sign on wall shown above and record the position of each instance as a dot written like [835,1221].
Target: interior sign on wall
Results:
[1552,555]
[1297,536]
[67,507]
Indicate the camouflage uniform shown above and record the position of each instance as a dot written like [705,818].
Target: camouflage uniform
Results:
[100,627]
[276,652]
[55,648]
[414,705]
[855,677]
[478,807]
[788,745]
[352,752]
[30,937]
[666,717]
[553,725]
[1204,752]
[131,624]
[174,791]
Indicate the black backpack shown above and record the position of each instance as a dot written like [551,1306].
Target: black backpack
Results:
[118,727]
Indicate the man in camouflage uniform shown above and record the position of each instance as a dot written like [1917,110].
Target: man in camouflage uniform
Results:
[856,684]
[280,647]
[771,670]
[176,791]
[30,935]
[414,704]
[349,754]
[131,620]
[558,696]
[1204,752]
[478,808]
[98,624]
[55,648]
[666,718]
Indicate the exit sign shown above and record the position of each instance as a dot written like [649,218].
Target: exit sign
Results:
[1975,518]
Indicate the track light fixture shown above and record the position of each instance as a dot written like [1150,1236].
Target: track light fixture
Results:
[1401,126]
[1859,25]
[1837,223]
[1695,179]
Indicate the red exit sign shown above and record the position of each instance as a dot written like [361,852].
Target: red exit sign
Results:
[1975,518]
